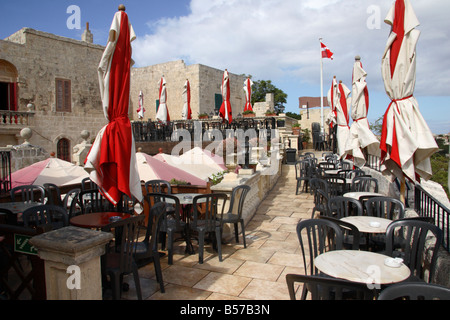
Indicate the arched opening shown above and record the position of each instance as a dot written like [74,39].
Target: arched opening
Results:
[8,86]
[63,149]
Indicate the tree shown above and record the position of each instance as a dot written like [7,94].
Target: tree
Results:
[263,87]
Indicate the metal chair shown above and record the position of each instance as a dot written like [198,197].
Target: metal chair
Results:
[415,291]
[51,215]
[28,193]
[119,261]
[317,236]
[206,219]
[412,240]
[324,288]
[234,214]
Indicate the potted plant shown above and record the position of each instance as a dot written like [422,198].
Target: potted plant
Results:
[203,116]
[270,113]
[248,114]
[296,129]
[306,137]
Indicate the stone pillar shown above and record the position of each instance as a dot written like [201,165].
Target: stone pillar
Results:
[72,262]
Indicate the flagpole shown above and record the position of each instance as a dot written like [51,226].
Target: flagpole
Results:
[321,88]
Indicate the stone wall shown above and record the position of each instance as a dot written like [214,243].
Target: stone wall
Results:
[41,58]
[205,83]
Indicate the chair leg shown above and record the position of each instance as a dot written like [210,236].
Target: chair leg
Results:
[298,185]
[170,247]
[158,272]
[137,282]
[219,243]
[236,232]
[243,233]
[201,244]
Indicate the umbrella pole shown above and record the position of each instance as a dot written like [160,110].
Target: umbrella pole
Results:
[402,190]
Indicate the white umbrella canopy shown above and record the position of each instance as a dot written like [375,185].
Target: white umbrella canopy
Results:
[51,170]
[141,109]
[342,118]
[332,98]
[186,113]
[203,157]
[360,136]
[202,170]
[150,168]
[406,141]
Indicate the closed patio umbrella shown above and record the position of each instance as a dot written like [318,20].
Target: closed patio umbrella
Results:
[111,162]
[342,118]
[360,136]
[332,97]
[225,109]
[187,112]
[248,94]
[163,112]
[141,109]
[406,140]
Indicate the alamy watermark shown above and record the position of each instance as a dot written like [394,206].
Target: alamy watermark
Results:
[373,22]
[74,20]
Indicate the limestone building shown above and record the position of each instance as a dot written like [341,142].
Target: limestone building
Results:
[50,84]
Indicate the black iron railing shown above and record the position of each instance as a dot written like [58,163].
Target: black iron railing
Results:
[5,174]
[427,206]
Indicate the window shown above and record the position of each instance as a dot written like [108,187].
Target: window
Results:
[63,96]
[64,149]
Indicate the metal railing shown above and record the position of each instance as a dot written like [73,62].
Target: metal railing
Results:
[427,206]
[5,174]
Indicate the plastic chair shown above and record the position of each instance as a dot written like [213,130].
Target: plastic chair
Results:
[321,205]
[324,288]
[412,240]
[352,236]
[364,184]
[53,194]
[317,236]
[93,201]
[234,214]
[119,261]
[8,216]
[385,207]
[301,174]
[341,207]
[28,193]
[54,216]
[336,185]
[147,250]
[415,291]
[318,183]
[158,186]
[171,221]
[206,219]
[88,184]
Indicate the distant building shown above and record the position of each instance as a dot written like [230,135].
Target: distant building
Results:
[310,111]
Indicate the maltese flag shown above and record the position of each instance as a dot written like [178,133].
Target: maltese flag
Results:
[326,53]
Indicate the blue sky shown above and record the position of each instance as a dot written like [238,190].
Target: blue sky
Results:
[270,39]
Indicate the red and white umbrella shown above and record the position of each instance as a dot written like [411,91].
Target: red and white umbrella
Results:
[360,136]
[141,109]
[163,112]
[248,94]
[406,140]
[186,114]
[225,109]
[332,98]
[111,162]
[342,118]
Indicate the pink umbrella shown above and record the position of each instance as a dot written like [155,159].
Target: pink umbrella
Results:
[406,141]
[111,162]
[360,136]
[342,117]
[187,112]
[225,109]
[154,169]
[248,94]
[163,112]
[51,170]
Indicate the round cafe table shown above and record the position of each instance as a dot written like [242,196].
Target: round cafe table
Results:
[96,220]
[368,224]
[361,266]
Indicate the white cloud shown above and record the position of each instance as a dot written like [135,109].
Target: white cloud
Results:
[275,39]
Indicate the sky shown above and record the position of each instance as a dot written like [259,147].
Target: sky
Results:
[275,40]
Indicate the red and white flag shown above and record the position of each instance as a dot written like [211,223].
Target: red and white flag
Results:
[326,53]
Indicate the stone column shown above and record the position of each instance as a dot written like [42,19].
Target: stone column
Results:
[72,262]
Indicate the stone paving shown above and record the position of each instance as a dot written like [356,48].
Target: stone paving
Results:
[253,273]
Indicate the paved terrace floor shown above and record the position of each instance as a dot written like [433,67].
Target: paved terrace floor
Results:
[253,273]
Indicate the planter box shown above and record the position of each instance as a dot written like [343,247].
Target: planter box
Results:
[249,115]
